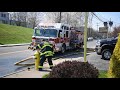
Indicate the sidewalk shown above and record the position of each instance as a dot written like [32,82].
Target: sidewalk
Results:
[32,73]
[10,45]
[91,58]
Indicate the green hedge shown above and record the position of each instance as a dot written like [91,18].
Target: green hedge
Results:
[114,66]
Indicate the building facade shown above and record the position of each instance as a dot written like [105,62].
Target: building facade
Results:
[4,17]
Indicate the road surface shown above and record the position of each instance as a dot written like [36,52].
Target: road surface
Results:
[11,55]
[91,44]
[32,73]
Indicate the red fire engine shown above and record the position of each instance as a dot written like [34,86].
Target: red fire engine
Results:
[62,36]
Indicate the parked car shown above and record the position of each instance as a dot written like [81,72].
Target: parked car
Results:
[90,38]
[105,47]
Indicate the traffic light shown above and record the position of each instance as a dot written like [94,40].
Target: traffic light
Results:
[105,24]
[110,23]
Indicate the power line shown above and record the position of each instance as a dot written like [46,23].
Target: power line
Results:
[103,17]
[97,17]
[108,20]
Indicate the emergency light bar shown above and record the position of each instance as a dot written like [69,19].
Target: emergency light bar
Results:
[49,27]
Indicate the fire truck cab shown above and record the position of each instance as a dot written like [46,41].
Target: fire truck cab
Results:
[58,34]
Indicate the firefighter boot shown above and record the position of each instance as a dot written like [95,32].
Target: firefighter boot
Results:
[51,67]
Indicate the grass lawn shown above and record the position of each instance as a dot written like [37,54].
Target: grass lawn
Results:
[45,76]
[103,74]
[10,34]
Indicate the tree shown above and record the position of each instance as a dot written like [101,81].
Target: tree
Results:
[25,18]
[72,18]
[76,19]
[116,31]
[19,18]
[114,65]
[34,18]
[54,17]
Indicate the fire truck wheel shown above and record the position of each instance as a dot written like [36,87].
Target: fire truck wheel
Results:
[63,48]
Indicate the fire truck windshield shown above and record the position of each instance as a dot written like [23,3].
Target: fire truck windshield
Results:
[46,32]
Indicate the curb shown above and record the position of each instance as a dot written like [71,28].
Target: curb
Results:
[15,72]
[11,45]
[4,76]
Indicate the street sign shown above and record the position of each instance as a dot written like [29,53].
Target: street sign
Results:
[103,29]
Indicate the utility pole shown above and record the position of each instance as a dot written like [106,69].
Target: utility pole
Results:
[110,24]
[107,34]
[110,28]
[67,18]
[85,35]
[97,27]
[106,26]
[60,14]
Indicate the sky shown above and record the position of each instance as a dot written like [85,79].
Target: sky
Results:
[105,16]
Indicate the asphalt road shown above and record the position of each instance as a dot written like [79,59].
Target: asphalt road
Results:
[91,44]
[11,55]
[96,60]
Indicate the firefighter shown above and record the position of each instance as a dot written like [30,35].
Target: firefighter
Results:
[46,53]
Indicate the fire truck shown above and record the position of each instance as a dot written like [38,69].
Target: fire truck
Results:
[61,36]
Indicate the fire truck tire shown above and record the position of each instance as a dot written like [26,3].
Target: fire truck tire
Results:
[63,49]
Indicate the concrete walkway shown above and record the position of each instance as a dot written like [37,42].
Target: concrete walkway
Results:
[92,58]
[32,73]
[11,45]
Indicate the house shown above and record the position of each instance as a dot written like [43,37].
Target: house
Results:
[4,17]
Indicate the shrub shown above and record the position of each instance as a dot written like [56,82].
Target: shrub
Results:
[74,69]
[114,64]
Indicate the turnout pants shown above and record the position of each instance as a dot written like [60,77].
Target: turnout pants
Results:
[43,58]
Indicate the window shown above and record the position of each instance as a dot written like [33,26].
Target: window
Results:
[67,28]
[72,28]
[62,27]
[59,33]
[3,15]
[46,32]
[66,33]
